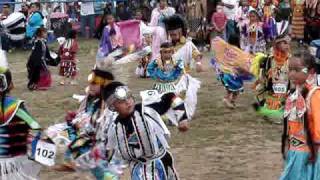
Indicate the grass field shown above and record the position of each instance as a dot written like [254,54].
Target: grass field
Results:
[222,144]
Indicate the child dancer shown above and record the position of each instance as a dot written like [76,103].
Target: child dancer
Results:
[138,133]
[232,83]
[38,72]
[301,121]
[170,76]
[252,36]
[68,50]
[111,37]
[165,70]
[269,21]
[272,84]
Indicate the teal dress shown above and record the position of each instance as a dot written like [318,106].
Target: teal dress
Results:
[166,75]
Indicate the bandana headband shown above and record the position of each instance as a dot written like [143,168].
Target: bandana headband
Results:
[93,78]
[121,93]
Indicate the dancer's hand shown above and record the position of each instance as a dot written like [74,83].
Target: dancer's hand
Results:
[183,126]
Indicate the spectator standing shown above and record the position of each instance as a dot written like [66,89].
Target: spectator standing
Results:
[123,13]
[99,6]
[160,13]
[5,40]
[87,19]
[218,21]
[18,5]
[35,21]
[195,16]
[5,11]
[103,22]
[230,9]
[242,19]
[72,10]
[284,11]
[25,9]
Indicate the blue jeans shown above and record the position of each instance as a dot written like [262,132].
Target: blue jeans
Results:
[88,20]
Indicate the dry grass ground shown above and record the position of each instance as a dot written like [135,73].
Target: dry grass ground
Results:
[222,144]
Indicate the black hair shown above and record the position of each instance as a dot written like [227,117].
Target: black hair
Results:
[103,74]
[166,45]
[37,4]
[72,34]
[6,4]
[112,32]
[138,10]
[309,62]
[176,22]
[256,13]
[108,90]
[109,13]
[306,58]
[40,31]
[219,4]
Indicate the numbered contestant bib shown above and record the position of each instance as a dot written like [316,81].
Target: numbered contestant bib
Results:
[45,153]
[279,88]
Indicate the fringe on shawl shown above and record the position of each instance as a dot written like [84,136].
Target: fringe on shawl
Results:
[191,86]
[18,168]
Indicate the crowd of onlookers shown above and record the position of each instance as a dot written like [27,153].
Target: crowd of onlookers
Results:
[86,17]
[252,24]
[233,19]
